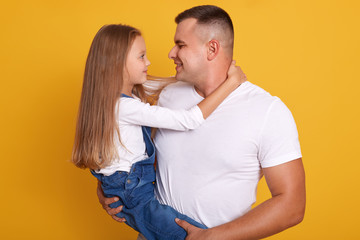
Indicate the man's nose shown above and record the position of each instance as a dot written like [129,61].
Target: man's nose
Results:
[172,53]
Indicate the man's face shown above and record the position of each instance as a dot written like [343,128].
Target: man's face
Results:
[189,52]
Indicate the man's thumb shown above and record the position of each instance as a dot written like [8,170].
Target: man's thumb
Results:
[184,224]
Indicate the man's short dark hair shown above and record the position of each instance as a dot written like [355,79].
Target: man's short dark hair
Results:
[207,14]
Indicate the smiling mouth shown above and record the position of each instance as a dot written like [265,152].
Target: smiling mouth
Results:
[178,66]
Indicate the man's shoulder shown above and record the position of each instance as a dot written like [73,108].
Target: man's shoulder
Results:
[255,94]
[255,90]
[262,101]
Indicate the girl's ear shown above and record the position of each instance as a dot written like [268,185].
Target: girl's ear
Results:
[213,49]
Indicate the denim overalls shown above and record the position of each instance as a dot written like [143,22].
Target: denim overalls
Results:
[141,210]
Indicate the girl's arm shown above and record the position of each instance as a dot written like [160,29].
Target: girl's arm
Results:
[132,111]
[235,78]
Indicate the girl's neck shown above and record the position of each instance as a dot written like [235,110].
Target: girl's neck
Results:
[127,89]
[126,93]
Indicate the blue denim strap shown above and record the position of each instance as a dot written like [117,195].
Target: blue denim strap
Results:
[150,148]
[124,95]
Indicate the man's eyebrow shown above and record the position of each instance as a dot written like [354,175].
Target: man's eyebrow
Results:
[179,42]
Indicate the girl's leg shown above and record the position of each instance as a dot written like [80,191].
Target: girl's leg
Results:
[145,213]
[141,210]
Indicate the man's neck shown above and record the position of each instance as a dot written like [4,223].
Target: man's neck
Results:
[206,87]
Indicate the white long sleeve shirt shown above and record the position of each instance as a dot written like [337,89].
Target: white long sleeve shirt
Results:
[132,114]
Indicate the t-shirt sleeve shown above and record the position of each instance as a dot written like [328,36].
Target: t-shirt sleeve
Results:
[279,142]
[133,111]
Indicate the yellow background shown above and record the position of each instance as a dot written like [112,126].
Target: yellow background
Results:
[306,52]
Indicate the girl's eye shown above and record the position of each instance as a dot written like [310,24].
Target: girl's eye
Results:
[142,56]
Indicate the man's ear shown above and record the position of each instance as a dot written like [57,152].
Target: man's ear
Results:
[213,49]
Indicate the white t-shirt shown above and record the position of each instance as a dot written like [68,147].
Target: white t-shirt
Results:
[211,173]
[132,114]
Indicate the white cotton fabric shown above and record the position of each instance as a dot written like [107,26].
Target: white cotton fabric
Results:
[211,173]
[132,114]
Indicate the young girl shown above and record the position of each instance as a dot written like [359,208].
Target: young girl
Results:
[111,137]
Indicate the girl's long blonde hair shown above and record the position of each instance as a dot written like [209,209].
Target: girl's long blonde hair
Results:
[97,128]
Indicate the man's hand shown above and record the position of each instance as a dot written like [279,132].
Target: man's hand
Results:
[193,233]
[105,204]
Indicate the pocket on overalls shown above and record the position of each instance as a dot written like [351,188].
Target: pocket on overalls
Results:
[143,192]
[131,184]
[114,186]
[116,180]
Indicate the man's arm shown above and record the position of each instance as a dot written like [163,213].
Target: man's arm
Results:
[284,209]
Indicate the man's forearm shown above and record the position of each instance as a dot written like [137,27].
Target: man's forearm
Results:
[285,209]
[270,217]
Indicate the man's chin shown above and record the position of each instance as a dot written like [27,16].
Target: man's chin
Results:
[178,77]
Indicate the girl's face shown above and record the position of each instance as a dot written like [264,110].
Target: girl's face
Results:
[136,63]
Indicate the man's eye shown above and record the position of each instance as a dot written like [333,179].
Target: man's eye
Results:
[180,46]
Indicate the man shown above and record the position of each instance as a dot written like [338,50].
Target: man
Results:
[211,174]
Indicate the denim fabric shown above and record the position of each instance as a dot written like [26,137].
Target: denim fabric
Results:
[141,210]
